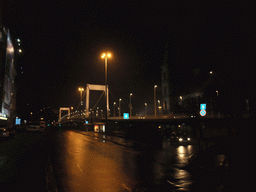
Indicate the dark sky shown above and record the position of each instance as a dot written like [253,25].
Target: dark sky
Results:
[62,42]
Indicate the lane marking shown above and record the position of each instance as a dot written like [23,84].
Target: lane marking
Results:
[175,185]
[79,168]
[126,187]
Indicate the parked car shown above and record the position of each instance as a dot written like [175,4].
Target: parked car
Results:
[34,126]
[4,133]
[173,138]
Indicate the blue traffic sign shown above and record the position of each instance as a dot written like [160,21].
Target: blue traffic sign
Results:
[202,112]
[17,121]
[126,115]
[202,106]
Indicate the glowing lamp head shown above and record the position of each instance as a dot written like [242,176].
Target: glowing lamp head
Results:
[106,55]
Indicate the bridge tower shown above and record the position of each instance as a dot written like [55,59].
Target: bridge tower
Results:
[96,88]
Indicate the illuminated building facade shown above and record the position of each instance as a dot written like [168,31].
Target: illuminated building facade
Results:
[7,77]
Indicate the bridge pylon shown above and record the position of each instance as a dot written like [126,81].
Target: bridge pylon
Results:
[95,88]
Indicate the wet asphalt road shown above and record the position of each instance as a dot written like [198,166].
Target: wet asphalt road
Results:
[83,162]
[88,163]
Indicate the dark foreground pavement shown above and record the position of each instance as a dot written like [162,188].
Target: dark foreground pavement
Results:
[25,164]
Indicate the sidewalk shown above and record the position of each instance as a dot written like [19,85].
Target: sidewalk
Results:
[25,166]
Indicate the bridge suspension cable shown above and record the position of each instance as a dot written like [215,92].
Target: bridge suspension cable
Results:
[98,100]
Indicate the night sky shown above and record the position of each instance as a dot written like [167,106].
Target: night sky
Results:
[62,43]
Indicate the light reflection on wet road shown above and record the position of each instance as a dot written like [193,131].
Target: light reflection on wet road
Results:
[85,163]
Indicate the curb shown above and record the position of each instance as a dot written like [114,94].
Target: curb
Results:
[50,177]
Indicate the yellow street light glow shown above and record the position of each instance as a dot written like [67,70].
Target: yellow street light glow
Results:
[120,99]
[155,85]
[105,55]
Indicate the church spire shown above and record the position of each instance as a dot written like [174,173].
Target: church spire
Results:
[166,55]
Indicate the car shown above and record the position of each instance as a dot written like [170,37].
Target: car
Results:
[34,127]
[173,138]
[4,133]
[184,139]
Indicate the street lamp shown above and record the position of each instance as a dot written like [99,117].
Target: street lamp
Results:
[81,89]
[158,101]
[114,109]
[130,104]
[146,105]
[104,55]
[120,107]
[155,98]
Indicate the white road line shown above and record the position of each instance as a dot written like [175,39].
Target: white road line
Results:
[175,185]
[79,168]
[126,187]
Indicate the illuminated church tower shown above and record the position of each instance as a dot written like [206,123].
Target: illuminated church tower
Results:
[165,83]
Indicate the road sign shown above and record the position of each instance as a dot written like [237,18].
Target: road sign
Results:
[202,106]
[202,112]
[126,115]
[17,121]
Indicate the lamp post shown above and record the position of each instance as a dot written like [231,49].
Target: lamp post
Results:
[106,82]
[155,98]
[130,104]
[81,89]
[114,109]
[146,110]
[158,101]
[120,107]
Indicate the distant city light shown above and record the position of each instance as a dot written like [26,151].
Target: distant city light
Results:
[210,72]
[20,50]
[18,40]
